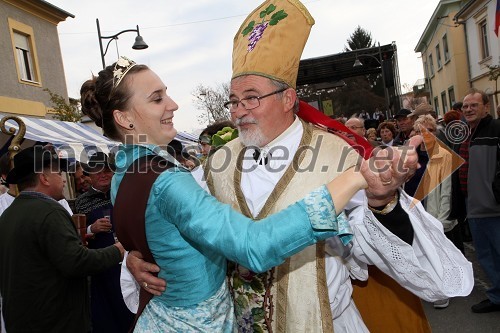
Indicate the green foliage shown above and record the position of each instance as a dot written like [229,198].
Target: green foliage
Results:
[257,286]
[271,8]
[63,110]
[224,136]
[240,303]
[237,282]
[494,72]
[258,314]
[257,329]
[278,16]
[248,29]
[359,39]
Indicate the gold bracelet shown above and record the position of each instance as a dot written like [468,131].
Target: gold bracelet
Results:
[388,208]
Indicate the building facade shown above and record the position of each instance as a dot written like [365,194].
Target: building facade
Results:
[483,46]
[31,56]
[444,57]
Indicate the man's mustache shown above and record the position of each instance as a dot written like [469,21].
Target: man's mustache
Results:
[241,121]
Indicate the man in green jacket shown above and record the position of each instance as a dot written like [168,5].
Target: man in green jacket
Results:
[43,264]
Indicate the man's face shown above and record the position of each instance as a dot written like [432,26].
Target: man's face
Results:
[259,126]
[205,148]
[356,126]
[100,177]
[82,181]
[473,109]
[56,182]
[405,124]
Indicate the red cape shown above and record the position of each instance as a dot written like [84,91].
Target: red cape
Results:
[314,116]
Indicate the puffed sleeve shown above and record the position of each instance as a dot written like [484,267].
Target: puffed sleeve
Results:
[431,268]
[258,245]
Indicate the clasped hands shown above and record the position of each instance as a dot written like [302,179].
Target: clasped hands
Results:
[388,169]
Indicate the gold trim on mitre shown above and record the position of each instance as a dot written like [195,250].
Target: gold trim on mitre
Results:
[270,41]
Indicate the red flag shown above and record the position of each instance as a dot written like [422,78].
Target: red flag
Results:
[312,115]
[497,18]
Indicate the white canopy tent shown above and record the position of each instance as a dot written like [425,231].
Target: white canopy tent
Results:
[72,140]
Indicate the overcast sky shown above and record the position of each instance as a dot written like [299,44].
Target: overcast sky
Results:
[190,41]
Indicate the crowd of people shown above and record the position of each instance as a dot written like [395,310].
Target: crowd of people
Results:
[287,227]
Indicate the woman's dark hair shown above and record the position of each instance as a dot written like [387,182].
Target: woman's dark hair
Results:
[99,98]
[217,126]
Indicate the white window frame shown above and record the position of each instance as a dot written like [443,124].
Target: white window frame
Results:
[451,96]
[25,54]
[436,104]
[438,57]
[431,65]
[484,43]
[446,49]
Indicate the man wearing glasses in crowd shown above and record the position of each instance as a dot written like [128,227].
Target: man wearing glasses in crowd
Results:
[481,153]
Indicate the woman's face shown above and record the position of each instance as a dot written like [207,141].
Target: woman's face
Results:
[151,110]
[372,136]
[428,132]
[386,135]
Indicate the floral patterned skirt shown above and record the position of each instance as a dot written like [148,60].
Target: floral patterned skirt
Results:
[216,314]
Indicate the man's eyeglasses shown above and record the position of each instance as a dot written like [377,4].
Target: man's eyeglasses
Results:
[250,102]
[355,127]
[471,106]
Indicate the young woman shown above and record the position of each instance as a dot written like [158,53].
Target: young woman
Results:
[189,233]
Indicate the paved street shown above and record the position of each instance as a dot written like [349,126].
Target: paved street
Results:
[458,317]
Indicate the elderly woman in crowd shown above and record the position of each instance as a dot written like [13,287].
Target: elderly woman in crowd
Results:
[433,182]
[387,132]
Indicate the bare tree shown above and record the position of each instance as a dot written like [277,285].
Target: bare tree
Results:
[210,100]
[408,99]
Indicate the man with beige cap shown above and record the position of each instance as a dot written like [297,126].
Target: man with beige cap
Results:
[420,110]
[278,157]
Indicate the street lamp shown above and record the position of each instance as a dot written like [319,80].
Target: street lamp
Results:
[207,104]
[358,63]
[139,43]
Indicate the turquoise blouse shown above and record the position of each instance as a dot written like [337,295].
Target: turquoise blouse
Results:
[191,234]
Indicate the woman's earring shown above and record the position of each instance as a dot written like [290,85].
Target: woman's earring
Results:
[131,126]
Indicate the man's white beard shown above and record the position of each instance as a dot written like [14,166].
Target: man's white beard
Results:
[252,138]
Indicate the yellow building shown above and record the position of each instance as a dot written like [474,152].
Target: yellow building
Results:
[444,56]
[31,56]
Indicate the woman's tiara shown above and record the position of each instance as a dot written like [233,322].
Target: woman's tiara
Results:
[122,67]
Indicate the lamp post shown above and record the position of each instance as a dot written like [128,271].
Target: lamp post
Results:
[139,43]
[358,63]
[205,95]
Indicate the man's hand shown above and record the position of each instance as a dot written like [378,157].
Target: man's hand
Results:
[120,247]
[101,225]
[388,169]
[141,271]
